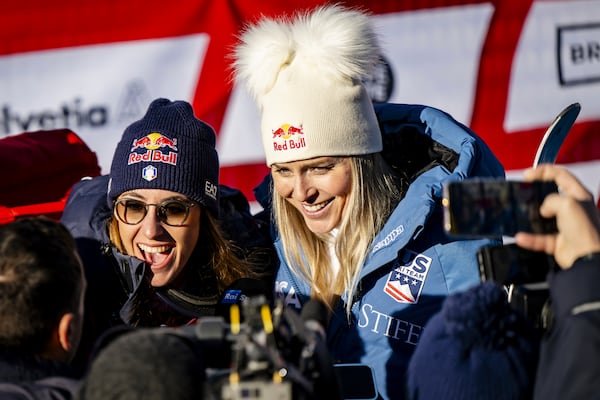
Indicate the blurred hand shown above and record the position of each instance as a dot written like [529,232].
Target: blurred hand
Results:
[576,216]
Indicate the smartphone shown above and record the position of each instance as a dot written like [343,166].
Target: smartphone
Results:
[357,381]
[511,264]
[480,207]
[525,273]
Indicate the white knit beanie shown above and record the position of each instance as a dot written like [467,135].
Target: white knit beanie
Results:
[305,74]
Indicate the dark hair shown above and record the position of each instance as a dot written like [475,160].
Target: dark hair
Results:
[146,363]
[40,280]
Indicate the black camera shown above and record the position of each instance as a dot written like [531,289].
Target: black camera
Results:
[264,352]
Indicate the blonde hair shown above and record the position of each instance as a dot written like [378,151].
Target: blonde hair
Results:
[374,194]
[222,254]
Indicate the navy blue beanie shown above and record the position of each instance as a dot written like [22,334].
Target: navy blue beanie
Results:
[476,347]
[169,149]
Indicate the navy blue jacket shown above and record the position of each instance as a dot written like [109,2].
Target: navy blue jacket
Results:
[569,366]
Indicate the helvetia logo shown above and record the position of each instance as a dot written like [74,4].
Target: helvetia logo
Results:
[71,115]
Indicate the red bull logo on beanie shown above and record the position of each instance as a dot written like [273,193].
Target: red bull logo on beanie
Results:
[287,137]
[157,148]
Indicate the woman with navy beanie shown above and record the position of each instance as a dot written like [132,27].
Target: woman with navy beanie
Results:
[172,238]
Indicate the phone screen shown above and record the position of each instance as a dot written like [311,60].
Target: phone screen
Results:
[510,264]
[493,208]
[357,381]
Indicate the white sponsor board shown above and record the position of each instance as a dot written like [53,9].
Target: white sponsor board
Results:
[96,90]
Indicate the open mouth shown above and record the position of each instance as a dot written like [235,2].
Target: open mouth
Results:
[155,256]
[314,208]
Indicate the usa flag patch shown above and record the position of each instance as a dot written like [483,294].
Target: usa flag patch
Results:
[405,282]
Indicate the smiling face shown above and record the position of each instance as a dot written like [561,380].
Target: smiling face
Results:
[165,249]
[318,188]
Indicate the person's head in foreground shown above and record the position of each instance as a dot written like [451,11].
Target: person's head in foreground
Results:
[42,287]
[145,363]
[476,347]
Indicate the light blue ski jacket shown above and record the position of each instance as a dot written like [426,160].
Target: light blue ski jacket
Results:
[412,264]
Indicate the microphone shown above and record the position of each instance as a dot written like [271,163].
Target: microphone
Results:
[315,359]
[334,381]
[239,291]
[316,318]
[212,331]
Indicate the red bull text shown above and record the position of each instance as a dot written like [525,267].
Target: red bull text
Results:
[290,135]
[154,143]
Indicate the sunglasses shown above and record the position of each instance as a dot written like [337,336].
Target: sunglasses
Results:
[172,212]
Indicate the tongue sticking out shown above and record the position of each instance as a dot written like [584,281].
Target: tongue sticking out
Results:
[155,255]
[156,258]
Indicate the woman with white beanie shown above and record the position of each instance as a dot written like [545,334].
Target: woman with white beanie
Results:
[356,189]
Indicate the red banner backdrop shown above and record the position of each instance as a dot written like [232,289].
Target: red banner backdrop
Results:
[504,68]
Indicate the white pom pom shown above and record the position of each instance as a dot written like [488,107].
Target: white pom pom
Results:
[331,40]
[337,41]
[264,49]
